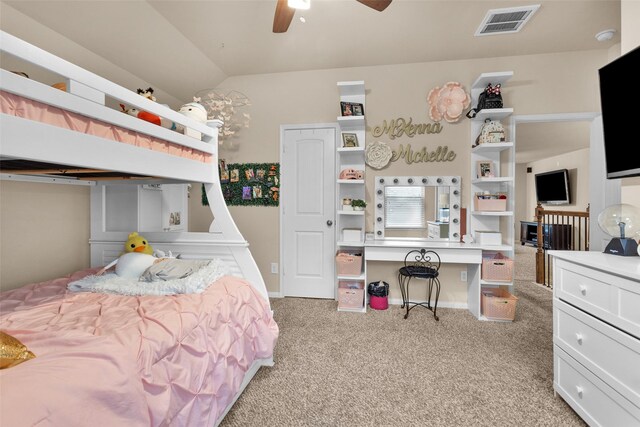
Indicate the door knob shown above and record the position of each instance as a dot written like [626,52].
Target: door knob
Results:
[329,223]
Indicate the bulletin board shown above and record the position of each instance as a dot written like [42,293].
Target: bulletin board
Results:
[248,184]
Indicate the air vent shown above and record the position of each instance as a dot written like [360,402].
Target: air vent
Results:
[505,21]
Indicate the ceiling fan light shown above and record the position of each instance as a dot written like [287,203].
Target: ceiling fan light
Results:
[299,4]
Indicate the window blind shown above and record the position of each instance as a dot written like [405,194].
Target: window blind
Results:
[404,207]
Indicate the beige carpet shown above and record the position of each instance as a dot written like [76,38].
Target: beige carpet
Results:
[378,369]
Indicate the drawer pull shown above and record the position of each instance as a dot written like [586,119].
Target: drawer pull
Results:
[579,338]
[583,289]
[579,391]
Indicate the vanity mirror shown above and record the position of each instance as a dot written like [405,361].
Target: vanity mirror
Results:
[417,206]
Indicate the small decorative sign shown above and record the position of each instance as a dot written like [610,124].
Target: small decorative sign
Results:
[401,127]
[440,154]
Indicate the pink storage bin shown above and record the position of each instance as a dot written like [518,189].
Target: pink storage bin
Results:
[498,304]
[493,205]
[498,268]
[349,263]
[350,294]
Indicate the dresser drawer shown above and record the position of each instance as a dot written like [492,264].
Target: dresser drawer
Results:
[611,298]
[591,398]
[583,287]
[610,354]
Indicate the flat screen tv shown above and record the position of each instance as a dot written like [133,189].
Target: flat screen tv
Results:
[619,123]
[552,188]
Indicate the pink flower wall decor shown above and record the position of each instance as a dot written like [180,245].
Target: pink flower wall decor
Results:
[448,102]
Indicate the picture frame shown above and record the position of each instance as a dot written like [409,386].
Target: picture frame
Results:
[349,140]
[358,109]
[485,169]
[346,109]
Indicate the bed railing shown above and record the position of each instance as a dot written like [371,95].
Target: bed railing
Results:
[87,86]
[558,230]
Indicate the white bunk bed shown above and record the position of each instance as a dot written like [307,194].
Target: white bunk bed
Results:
[53,154]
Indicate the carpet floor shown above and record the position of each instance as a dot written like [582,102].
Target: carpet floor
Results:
[377,369]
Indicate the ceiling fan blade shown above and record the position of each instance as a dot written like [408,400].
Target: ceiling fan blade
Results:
[283,17]
[378,5]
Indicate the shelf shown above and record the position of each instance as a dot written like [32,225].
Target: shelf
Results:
[351,122]
[344,150]
[492,147]
[492,213]
[346,277]
[354,310]
[351,181]
[492,114]
[492,180]
[351,88]
[351,244]
[497,248]
[343,212]
[494,283]
[484,79]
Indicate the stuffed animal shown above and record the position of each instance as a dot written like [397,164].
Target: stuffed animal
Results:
[147,93]
[194,110]
[137,243]
[152,118]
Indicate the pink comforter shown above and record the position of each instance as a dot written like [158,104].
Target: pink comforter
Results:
[151,360]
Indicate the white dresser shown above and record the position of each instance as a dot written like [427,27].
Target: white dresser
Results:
[596,336]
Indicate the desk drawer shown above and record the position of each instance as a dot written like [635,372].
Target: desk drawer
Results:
[612,355]
[592,399]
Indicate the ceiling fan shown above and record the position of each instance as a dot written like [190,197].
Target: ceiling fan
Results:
[284,13]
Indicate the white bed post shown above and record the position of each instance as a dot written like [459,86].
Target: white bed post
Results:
[223,224]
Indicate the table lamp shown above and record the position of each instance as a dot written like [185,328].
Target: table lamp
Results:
[622,222]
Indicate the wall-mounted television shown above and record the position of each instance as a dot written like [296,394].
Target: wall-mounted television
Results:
[552,188]
[619,126]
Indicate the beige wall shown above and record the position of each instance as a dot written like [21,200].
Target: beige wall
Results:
[551,83]
[45,231]
[629,18]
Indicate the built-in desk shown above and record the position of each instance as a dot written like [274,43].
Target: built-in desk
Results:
[395,249]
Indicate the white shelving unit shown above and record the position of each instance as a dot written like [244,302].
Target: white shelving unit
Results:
[351,158]
[502,155]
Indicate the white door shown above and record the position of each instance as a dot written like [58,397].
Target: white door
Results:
[307,210]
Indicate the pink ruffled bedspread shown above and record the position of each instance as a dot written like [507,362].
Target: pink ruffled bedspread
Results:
[151,360]
[26,108]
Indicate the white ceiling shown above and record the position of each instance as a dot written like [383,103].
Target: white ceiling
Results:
[208,41]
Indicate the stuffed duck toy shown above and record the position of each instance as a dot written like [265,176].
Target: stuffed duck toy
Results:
[136,258]
[137,243]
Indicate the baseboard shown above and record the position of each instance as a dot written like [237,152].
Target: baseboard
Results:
[276,295]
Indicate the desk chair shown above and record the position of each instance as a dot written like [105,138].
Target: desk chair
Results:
[421,264]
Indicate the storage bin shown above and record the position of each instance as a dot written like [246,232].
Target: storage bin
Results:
[488,237]
[350,294]
[495,205]
[352,234]
[349,263]
[498,304]
[497,268]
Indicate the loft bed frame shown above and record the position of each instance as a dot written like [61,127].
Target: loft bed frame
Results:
[34,151]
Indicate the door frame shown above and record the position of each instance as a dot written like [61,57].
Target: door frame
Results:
[283,168]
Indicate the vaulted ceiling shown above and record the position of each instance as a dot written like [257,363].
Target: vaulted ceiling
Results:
[184,46]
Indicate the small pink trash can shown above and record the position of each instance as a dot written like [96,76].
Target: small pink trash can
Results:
[378,295]
[379,303]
